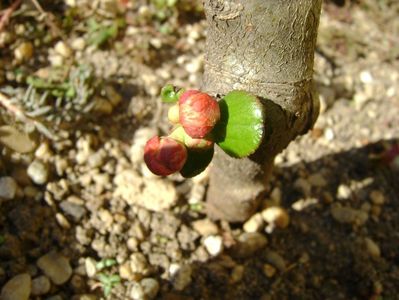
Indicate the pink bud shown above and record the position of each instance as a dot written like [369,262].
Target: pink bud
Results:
[198,113]
[164,155]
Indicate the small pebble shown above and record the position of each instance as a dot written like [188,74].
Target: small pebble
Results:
[90,266]
[62,49]
[269,270]
[40,286]
[150,287]
[213,244]
[23,52]
[237,273]
[38,172]
[372,247]
[17,288]
[276,260]
[8,188]
[137,292]
[277,216]
[248,244]
[377,197]
[56,267]
[343,192]
[181,276]
[348,215]
[78,44]
[254,224]
[139,264]
[205,227]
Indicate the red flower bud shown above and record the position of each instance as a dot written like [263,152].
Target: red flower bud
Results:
[198,113]
[164,155]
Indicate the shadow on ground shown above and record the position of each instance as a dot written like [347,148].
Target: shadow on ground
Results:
[323,258]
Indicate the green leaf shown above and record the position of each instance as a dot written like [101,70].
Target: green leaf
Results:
[241,127]
[197,161]
[169,94]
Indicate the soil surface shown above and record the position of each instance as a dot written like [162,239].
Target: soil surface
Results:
[81,217]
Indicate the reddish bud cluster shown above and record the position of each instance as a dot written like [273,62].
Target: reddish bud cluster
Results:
[198,113]
[164,155]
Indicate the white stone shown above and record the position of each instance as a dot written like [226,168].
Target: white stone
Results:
[62,49]
[38,172]
[254,224]
[213,244]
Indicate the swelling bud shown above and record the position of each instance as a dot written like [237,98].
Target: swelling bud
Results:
[164,155]
[198,113]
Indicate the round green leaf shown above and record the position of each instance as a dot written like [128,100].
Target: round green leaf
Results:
[241,127]
[197,161]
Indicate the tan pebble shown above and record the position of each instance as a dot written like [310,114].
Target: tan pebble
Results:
[23,52]
[90,267]
[372,247]
[269,270]
[62,49]
[376,210]
[277,216]
[62,221]
[237,274]
[377,197]
[125,272]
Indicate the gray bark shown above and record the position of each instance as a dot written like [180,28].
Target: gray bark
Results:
[265,47]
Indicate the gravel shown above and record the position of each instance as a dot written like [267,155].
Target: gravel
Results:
[56,267]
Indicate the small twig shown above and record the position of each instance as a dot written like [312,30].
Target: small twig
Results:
[7,14]
[48,19]
[21,115]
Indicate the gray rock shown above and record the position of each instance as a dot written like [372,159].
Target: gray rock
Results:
[56,267]
[348,215]
[8,188]
[17,288]
[40,286]
[74,210]
[38,172]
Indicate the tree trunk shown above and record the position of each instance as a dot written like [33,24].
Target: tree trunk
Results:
[265,47]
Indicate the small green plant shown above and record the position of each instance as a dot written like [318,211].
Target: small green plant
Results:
[235,124]
[107,281]
[99,34]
